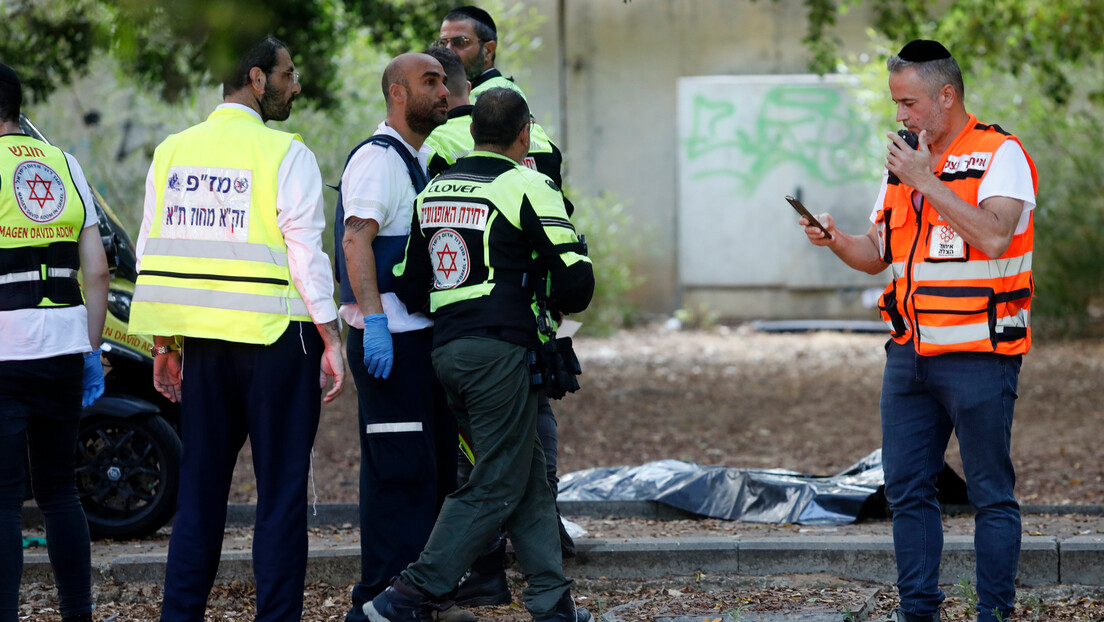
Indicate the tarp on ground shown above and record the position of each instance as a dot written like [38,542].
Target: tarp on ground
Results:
[760,496]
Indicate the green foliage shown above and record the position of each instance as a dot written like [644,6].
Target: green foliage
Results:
[699,317]
[177,47]
[604,221]
[965,591]
[735,614]
[46,42]
[1046,38]
[1032,604]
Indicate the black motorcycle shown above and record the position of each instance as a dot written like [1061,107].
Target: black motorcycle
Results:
[128,447]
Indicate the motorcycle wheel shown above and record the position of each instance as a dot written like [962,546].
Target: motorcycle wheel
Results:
[128,471]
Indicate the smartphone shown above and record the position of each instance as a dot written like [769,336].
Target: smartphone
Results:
[804,212]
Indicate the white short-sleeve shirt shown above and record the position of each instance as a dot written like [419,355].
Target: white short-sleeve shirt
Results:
[1009,175]
[376,185]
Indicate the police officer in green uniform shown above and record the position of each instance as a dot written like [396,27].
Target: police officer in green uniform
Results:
[484,233]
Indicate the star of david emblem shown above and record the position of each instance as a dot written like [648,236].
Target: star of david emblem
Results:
[35,184]
[451,255]
[946,235]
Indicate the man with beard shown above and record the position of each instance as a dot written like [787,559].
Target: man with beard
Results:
[231,263]
[407,434]
[471,33]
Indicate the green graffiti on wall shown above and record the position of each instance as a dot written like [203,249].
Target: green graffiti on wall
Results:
[812,126]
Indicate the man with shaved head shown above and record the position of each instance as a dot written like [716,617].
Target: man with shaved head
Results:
[404,424]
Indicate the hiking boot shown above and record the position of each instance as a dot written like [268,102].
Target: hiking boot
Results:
[566,611]
[483,588]
[398,603]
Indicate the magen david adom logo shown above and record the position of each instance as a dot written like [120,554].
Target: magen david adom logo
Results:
[39,191]
[449,255]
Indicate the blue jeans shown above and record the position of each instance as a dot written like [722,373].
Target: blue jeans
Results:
[40,406]
[924,399]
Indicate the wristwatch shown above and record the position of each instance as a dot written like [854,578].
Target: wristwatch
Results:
[155,350]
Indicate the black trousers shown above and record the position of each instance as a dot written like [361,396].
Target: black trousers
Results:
[408,440]
[270,394]
[40,406]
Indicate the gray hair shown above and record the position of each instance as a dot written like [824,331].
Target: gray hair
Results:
[935,73]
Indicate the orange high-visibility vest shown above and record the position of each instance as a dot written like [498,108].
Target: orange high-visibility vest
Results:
[947,296]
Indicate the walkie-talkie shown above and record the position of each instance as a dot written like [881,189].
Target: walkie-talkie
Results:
[913,141]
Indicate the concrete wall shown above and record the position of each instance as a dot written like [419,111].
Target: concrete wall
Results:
[604,82]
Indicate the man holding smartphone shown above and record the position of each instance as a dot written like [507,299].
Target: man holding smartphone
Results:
[954,221]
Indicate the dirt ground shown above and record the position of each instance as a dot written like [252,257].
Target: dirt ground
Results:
[736,397]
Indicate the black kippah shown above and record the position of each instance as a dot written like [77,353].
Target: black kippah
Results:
[8,75]
[478,15]
[923,50]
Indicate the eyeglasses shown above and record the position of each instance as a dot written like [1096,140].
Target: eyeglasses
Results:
[459,42]
[294,75]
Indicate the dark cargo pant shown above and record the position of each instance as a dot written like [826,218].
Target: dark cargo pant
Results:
[488,389]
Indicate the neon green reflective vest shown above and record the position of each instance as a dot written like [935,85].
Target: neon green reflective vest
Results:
[41,217]
[215,263]
[453,140]
[485,233]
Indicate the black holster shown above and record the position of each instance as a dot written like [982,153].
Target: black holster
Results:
[561,368]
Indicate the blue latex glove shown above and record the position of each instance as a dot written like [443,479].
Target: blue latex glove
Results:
[379,354]
[93,378]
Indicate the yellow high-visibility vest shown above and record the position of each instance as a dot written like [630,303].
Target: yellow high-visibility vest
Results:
[41,217]
[215,262]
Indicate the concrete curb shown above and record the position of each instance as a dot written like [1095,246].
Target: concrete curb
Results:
[1044,560]
[328,514]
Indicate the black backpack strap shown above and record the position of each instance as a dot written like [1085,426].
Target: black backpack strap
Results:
[417,178]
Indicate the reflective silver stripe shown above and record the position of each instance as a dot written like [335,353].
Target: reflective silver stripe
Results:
[898,269]
[1020,320]
[971,270]
[949,335]
[21,277]
[63,273]
[211,249]
[384,428]
[36,275]
[191,297]
[889,324]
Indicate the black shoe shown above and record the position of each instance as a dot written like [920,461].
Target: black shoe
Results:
[398,603]
[566,611]
[900,616]
[483,588]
